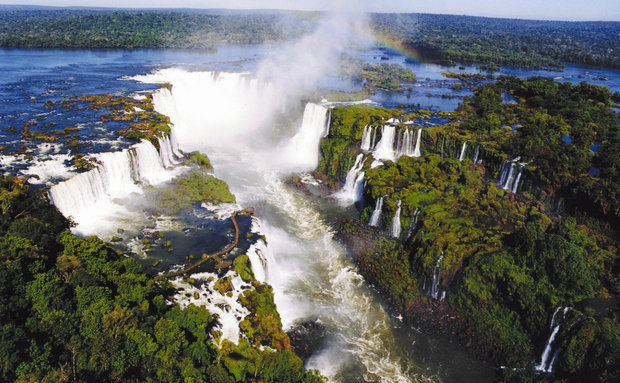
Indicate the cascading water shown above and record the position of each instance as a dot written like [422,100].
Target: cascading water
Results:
[328,124]
[166,152]
[395,230]
[310,273]
[89,197]
[556,322]
[376,214]
[405,144]
[385,147]
[508,180]
[366,138]
[476,154]
[413,223]
[303,149]
[353,186]
[418,140]
[434,287]
[515,185]
[462,155]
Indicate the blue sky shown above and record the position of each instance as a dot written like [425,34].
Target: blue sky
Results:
[531,9]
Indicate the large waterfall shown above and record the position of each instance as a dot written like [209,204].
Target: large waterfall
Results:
[303,148]
[312,277]
[89,197]
[385,147]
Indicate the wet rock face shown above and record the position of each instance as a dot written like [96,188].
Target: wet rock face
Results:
[306,338]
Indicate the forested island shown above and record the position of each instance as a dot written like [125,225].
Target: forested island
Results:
[501,226]
[444,39]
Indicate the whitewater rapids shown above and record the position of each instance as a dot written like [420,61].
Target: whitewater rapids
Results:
[230,116]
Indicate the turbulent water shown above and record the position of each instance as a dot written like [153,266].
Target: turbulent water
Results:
[311,275]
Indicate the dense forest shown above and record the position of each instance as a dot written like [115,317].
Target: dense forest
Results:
[452,39]
[439,38]
[509,218]
[135,29]
[73,309]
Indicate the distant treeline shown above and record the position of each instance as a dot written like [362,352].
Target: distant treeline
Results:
[440,38]
[527,43]
[137,29]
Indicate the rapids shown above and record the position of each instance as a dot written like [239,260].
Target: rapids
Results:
[311,276]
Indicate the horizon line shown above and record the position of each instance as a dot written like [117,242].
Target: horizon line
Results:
[281,10]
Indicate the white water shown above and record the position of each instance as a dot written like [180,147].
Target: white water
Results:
[376,214]
[90,198]
[302,151]
[229,310]
[367,137]
[508,180]
[418,140]
[385,147]
[462,155]
[556,322]
[395,230]
[476,154]
[310,273]
[353,187]
[434,287]
[405,143]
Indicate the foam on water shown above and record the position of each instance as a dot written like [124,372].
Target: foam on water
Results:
[310,273]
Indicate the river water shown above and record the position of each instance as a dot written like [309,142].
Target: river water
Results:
[256,134]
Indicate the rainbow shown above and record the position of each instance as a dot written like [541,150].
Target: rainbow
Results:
[399,46]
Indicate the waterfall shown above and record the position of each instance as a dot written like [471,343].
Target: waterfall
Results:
[508,180]
[354,182]
[462,155]
[367,138]
[305,266]
[434,287]
[515,185]
[302,151]
[374,139]
[395,230]
[385,146]
[476,154]
[328,124]
[405,144]
[88,197]
[413,223]
[555,328]
[376,214]
[416,151]
[166,153]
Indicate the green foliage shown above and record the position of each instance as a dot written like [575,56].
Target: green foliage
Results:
[243,267]
[506,261]
[200,160]
[195,185]
[450,39]
[74,311]
[386,77]
[263,325]
[101,29]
